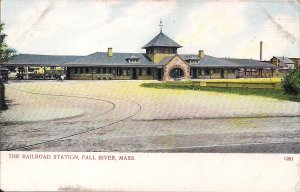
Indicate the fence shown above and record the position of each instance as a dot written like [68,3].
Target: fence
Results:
[248,85]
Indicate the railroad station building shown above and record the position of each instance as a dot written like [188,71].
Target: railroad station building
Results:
[160,61]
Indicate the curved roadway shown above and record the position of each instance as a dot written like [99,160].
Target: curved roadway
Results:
[121,116]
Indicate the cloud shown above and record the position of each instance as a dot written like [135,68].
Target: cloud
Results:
[54,26]
[24,20]
[220,28]
[280,28]
[66,27]
[276,42]
[130,30]
[43,15]
[209,25]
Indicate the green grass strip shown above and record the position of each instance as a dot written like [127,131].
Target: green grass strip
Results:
[272,93]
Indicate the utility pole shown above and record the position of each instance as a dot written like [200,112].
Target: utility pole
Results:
[2,87]
[1,31]
[0,10]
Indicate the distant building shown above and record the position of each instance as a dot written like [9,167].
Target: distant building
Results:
[296,61]
[161,62]
[283,62]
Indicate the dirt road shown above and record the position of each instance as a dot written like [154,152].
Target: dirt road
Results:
[122,116]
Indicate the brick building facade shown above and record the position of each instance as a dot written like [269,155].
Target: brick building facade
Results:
[160,62]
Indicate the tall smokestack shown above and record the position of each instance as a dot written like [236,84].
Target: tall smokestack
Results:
[260,52]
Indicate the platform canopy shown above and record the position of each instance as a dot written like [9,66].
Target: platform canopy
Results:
[41,60]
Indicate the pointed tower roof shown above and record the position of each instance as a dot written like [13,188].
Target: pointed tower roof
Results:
[161,40]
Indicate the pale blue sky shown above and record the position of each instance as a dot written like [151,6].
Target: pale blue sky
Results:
[222,29]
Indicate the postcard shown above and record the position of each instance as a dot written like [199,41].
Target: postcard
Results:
[149,95]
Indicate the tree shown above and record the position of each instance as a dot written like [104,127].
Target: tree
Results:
[291,82]
[6,53]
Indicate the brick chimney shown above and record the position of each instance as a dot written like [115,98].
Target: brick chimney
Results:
[109,52]
[201,54]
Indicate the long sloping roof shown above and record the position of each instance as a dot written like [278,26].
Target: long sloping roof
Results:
[44,60]
[250,63]
[118,59]
[161,40]
[121,59]
[209,61]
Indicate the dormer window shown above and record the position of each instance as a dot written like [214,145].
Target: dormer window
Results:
[133,59]
[192,61]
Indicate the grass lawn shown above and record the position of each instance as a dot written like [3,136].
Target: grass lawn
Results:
[188,85]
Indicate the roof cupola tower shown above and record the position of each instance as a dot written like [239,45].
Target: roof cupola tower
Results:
[161,46]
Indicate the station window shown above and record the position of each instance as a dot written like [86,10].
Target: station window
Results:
[140,71]
[86,70]
[206,72]
[149,71]
[232,70]
[133,60]
[119,71]
[128,72]
[104,70]
[109,70]
[98,70]
[192,61]
[81,69]
[76,71]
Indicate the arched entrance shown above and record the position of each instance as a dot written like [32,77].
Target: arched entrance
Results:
[176,73]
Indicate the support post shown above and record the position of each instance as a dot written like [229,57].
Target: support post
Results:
[19,72]
[22,73]
[92,73]
[44,72]
[26,72]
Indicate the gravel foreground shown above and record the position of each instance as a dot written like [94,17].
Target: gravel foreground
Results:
[122,116]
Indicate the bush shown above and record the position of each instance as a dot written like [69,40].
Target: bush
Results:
[291,82]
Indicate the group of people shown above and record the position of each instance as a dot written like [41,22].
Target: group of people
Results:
[61,77]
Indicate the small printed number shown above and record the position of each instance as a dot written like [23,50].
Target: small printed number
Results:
[288,158]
